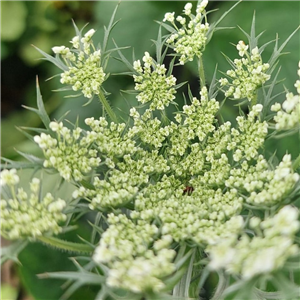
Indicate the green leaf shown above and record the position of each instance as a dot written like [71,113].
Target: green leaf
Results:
[41,111]
[40,104]
[56,61]
[65,245]
[107,31]
[32,158]
[11,164]
[213,26]
[12,251]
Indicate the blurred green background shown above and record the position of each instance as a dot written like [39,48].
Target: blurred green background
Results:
[49,23]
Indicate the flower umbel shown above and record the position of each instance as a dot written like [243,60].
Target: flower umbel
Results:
[69,155]
[248,75]
[189,40]
[29,215]
[288,114]
[263,186]
[83,70]
[259,255]
[185,186]
[154,85]
[132,265]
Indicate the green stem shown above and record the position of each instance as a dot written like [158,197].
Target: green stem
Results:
[201,72]
[254,100]
[107,107]
[65,245]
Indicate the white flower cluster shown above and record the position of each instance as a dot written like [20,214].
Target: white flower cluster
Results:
[83,69]
[27,215]
[262,254]
[262,186]
[196,121]
[248,75]
[117,190]
[125,179]
[191,187]
[250,135]
[201,215]
[109,139]
[189,40]
[288,114]
[131,165]
[153,85]
[69,155]
[133,266]
[150,131]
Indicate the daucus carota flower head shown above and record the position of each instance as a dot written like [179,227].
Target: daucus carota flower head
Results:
[288,113]
[189,40]
[161,188]
[29,215]
[249,136]
[262,186]
[124,247]
[248,75]
[153,84]
[259,255]
[203,216]
[82,69]
[66,153]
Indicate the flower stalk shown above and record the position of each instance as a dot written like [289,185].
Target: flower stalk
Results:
[201,72]
[107,107]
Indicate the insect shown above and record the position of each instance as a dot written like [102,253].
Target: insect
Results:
[188,190]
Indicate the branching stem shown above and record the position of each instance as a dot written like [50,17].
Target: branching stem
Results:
[201,72]
[107,107]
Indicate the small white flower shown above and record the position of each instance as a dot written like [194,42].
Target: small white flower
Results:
[202,6]
[257,108]
[137,65]
[55,126]
[187,9]
[35,185]
[58,49]
[291,102]
[9,177]
[254,51]
[75,41]
[276,107]
[221,255]
[263,262]
[169,17]
[181,20]
[90,33]
[242,48]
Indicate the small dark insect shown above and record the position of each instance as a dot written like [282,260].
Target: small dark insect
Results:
[188,190]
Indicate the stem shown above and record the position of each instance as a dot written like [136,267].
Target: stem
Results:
[65,245]
[13,192]
[107,107]
[201,72]
[253,101]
